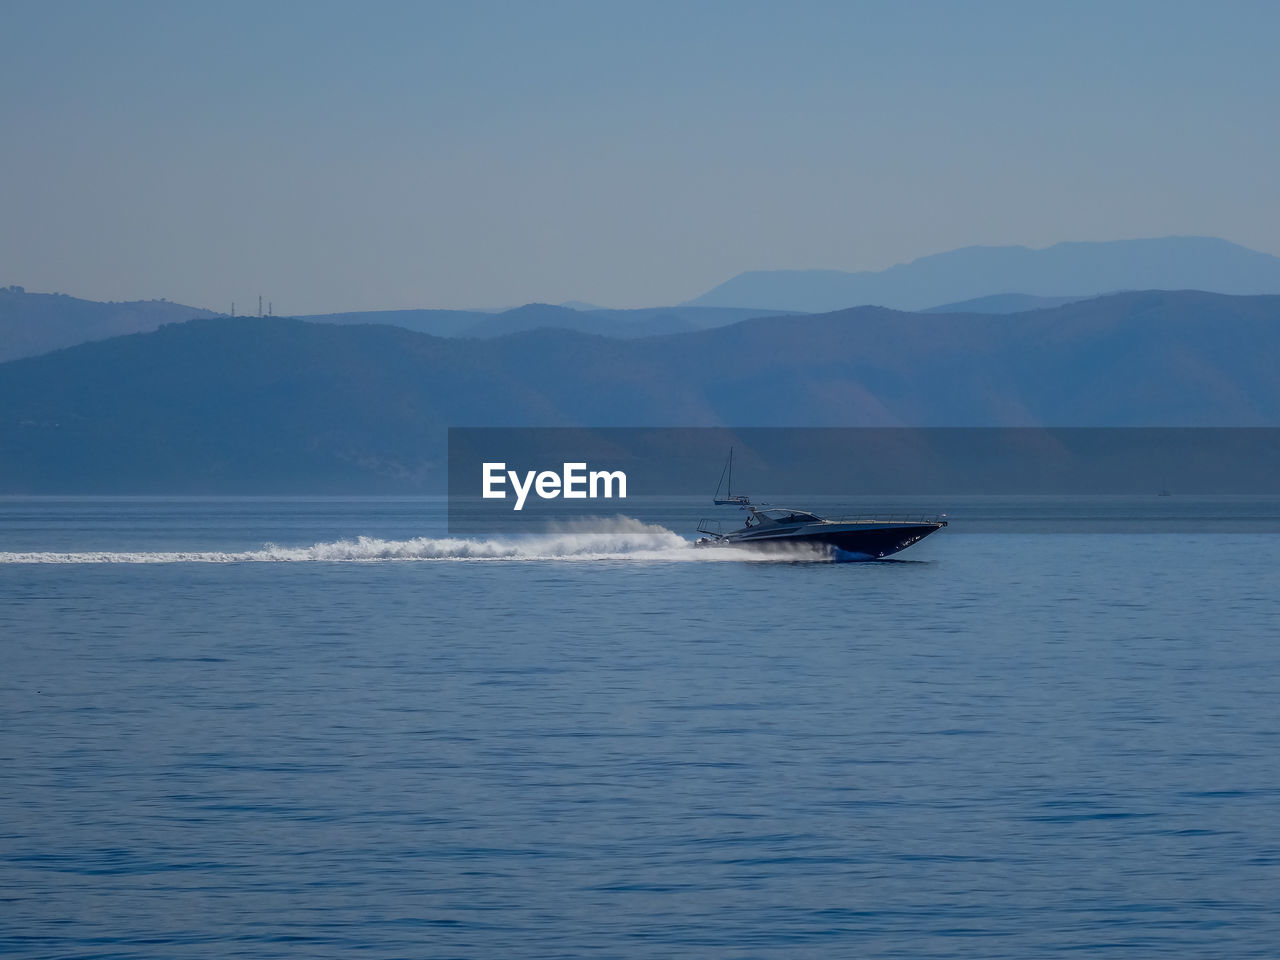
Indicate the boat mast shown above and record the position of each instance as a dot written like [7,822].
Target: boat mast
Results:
[727,469]
[728,497]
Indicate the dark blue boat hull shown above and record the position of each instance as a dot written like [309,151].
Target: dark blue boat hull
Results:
[874,541]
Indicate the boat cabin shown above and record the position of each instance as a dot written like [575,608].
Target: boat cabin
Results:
[783,515]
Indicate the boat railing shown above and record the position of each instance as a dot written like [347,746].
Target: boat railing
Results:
[890,518]
[711,528]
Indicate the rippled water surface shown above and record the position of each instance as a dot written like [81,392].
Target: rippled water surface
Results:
[999,745]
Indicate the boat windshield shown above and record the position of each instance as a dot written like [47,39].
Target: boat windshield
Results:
[789,516]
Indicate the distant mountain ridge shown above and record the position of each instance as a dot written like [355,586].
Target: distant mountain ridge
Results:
[35,323]
[987,280]
[268,405]
[1088,268]
[1004,303]
[625,324]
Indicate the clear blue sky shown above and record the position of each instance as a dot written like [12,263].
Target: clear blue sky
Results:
[340,156]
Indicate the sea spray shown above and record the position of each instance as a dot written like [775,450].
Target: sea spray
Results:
[625,539]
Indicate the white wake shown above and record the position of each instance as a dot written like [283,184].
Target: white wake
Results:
[624,539]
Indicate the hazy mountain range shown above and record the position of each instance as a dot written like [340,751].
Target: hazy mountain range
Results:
[35,323]
[1004,303]
[1062,270]
[975,280]
[646,322]
[252,405]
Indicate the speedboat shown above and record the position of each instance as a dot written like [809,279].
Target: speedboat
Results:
[783,530]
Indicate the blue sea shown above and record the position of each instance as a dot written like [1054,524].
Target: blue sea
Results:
[325,728]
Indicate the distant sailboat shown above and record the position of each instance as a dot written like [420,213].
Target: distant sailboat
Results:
[728,497]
